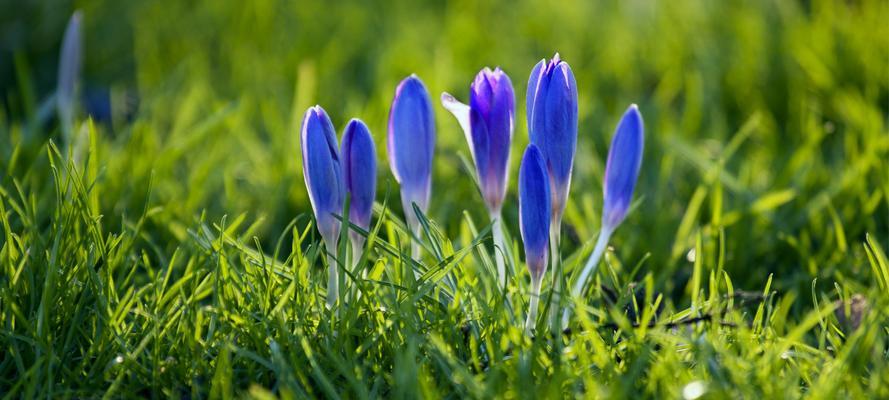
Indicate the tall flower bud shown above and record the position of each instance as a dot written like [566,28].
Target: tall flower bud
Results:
[360,175]
[552,125]
[621,173]
[534,221]
[488,123]
[322,171]
[411,143]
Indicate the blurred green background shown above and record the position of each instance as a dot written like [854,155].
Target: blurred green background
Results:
[788,99]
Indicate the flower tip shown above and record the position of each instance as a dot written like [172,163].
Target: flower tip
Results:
[411,85]
[447,98]
[354,123]
[413,79]
[634,114]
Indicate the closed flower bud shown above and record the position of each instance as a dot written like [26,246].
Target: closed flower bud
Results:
[534,221]
[552,124]
[360,173]
[621,172]
[410,145]
[322,171]
[534,210]
[622,169]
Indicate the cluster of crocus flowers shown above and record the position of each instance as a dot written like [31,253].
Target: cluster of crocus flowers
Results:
[552,126]
[488,123]
[331,174]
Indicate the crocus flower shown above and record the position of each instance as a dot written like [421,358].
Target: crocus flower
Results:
[324,180]
[70,59]
[552,125]
[360,175]
[534,220]
[488,125]
[621,173]
[410,145]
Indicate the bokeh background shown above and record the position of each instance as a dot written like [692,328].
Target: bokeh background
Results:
[767,119]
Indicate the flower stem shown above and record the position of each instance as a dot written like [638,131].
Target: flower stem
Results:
[532,308]
[556,261]
[413,225]
[332,273]
[589,268]
[593,261]
[499,243]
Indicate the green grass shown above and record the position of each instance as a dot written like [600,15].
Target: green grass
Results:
[174,254]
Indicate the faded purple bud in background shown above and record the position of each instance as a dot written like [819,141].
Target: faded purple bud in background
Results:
[70,60]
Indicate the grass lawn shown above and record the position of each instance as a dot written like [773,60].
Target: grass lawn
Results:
[163,244]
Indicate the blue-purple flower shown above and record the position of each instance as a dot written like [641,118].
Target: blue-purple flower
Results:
[324,180]
[360,175]
[534,221]
[621,173]
[622,169]
[410,145]
[552,124]
[322,170]
[488,123]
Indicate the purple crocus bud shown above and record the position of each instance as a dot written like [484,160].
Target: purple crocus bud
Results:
[552,124]
[70,59]
[322,171]
[411,143]
[534,210]
[488,123]
[622,169]
[534,221]
[621,172]
[360,173]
